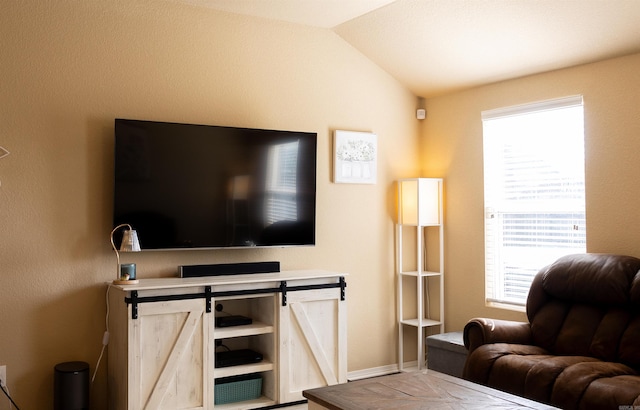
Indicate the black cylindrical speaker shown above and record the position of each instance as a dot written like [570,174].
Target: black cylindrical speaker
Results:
[71,386]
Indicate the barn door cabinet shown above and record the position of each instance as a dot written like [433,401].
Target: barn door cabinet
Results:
[163,338]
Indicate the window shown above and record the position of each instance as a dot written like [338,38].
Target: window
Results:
[534,193]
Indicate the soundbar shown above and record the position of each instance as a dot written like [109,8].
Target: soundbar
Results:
[219,269]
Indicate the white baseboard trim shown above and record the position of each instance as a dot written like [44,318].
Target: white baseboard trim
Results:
[378,371]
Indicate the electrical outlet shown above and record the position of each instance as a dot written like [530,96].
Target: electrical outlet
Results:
[3,376]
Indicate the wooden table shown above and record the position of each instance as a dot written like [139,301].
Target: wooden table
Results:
[412,391]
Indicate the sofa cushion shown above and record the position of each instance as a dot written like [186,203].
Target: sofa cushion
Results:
[606,339]
[629,349]
[609,392]
[542,375]
[581,305]
[574,382]
[564,381]
[527,371]
[592,278]
[480,363]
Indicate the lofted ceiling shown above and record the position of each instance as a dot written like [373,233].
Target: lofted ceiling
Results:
[434,47]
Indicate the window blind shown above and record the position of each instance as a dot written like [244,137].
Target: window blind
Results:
[534,192]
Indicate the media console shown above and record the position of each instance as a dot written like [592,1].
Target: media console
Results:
[164,339]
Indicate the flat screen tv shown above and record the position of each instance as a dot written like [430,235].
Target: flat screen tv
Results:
[201,186]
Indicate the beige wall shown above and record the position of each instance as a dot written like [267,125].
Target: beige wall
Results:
[452,148]
[68,68]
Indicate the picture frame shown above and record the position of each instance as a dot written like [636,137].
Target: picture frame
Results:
[355,159]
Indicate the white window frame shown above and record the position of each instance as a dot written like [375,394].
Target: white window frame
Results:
[539,214]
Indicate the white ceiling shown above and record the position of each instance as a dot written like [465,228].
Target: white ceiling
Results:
[437,46]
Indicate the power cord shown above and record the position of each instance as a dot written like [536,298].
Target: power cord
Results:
[220,344]
[6,393]
[220,308]
[105,336]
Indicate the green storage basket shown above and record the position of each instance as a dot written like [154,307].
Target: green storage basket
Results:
[237,388]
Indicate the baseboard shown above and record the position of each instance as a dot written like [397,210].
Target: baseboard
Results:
[377,371]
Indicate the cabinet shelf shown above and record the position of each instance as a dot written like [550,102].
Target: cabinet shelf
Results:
[247,404]
[263,366]
[255,328]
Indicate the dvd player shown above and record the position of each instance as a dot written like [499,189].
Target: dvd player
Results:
[233,320]
[237,357]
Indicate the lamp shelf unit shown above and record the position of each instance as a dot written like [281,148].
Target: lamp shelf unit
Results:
[420,209]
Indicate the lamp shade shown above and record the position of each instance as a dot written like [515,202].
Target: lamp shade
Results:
[130,241]
[419,201]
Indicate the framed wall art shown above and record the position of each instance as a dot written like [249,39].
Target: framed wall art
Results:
[355,157]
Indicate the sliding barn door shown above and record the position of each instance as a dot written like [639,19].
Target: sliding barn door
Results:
[169,360]
[313,342]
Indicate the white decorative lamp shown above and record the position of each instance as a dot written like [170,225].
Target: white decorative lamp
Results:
[420,207]
[126,273]
[419,201]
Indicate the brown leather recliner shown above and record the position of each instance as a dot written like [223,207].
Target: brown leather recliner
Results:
[581,347]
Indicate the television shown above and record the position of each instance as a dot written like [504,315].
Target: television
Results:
[205,186]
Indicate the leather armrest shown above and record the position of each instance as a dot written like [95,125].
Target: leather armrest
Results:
[481,331]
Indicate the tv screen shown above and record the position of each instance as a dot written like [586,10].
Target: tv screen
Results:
[201,186]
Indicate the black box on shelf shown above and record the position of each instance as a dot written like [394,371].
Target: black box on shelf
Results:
[237,357]
[233,320]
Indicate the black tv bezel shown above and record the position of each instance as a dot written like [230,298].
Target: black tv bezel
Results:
[307,134]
